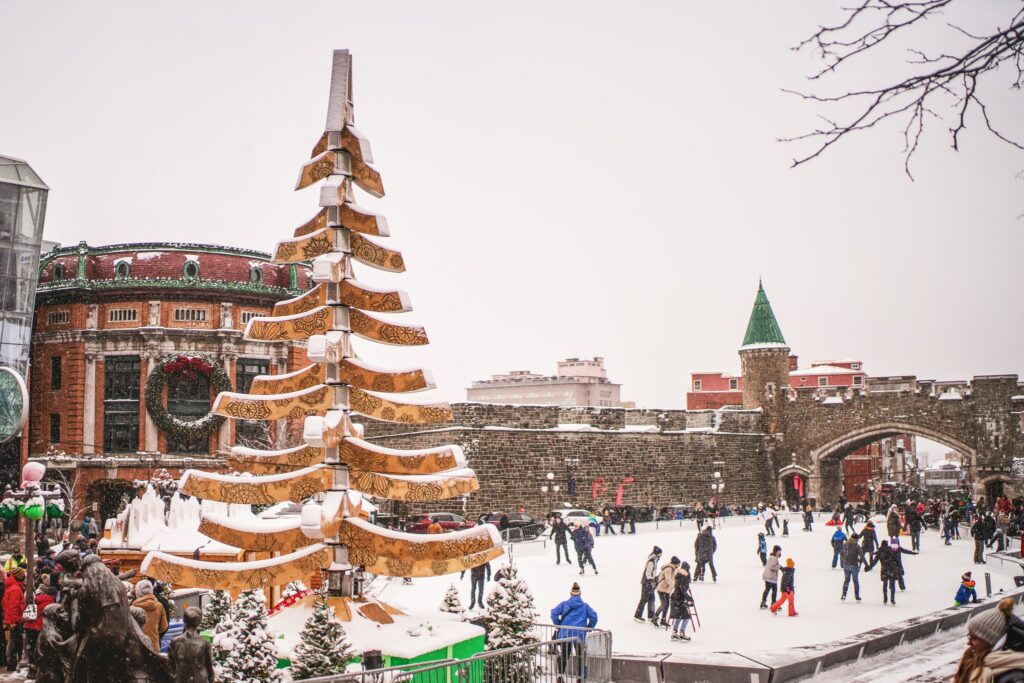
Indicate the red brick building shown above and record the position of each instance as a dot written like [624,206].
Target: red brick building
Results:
[714,390]
[107,316]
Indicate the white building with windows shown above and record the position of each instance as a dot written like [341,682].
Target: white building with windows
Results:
[576,382]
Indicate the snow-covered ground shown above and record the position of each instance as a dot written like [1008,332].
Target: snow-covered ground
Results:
[728,610]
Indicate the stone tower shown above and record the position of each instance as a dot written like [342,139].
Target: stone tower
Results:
[764,358]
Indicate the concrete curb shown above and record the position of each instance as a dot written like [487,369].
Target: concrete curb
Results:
[795,663]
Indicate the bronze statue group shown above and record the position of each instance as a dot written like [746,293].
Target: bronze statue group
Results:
[93,634]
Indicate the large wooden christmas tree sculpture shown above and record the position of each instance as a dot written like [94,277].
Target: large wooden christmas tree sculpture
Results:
[335,466]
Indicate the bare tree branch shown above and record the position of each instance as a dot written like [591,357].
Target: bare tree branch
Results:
[942,79]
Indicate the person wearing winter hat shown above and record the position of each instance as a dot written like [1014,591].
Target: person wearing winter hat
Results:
[572,616]
[966,593]
[682,600]
[156,618]
[900,551]
[787,588]
[770,575]
[14,606]
[648,584]
[762,548]
[869,541]
[981,662]
[666,583]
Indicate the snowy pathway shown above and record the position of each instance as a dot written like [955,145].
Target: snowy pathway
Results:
[728,609]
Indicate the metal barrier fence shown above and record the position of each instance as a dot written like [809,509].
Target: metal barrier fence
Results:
[556,661]
[527,532]
[597,649]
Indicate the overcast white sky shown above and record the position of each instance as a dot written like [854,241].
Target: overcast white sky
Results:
[564,179]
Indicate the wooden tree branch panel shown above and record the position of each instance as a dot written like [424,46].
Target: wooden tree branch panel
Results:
[274,462]
[393,411]
[265,490]
[296,404]
[309,376]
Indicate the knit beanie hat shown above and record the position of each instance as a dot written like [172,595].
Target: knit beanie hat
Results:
[790,563]
[575,589]
[18,574]
[657,550]
[991,624]
[143,587]
[675,560]
[966,576]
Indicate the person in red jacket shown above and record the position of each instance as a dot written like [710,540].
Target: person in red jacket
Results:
[14,605]
[44,596]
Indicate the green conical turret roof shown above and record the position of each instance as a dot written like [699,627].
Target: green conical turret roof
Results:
[763,328]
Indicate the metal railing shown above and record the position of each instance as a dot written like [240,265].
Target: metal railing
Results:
[564,660]
[596,645]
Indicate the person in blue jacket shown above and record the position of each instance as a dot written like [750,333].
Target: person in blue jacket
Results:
[567,615]
[838,539]
[966,592]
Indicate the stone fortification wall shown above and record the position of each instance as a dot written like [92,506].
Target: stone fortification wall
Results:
[668,467]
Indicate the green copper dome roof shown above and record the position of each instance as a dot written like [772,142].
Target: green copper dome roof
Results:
[763,329]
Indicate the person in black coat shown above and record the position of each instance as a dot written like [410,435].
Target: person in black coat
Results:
[584,544]
[560,532]
[788,588]
[914,525]
[869,541]
[681,602]
[888,558]
[894,545]
[978,534]
[478,576]
[705,547]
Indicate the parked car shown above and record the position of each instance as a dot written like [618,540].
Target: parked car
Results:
[521,526]
[447,520]
[578,515]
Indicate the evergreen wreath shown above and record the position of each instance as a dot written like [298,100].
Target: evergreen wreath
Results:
[187,365]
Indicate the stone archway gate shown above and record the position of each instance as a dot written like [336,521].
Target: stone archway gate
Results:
[981,418]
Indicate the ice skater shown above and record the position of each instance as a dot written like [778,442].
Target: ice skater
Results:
[648,584]
[869,541]
[889,573]
[572,617]
[705,547]
[808,518]
[762,548]
[894,545]
[666,584]
[584,544]
[681,603]
[788,589]
[560,532]
[770,575]
[838,538]
[852,558]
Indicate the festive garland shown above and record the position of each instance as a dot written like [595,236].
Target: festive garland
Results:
[188,365]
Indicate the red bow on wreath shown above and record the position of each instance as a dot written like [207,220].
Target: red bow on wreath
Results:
[188,366]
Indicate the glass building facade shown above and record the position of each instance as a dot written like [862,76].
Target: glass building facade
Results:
[22,209]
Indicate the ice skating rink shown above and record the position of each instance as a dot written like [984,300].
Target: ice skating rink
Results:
[729,613]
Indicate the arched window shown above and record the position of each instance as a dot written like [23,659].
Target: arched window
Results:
[122,270]
[256,275]
[58,272]
[191,270]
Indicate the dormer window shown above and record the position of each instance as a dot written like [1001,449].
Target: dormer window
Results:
[733,384]
[122,270]
[191,270]
[256,275]
[855,366]
[696,385]
[58,272]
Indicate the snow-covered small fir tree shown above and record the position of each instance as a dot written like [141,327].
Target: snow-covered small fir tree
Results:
[322,648]
[292,588]
[215,610]
[451,602]
[510,613]
[244,646]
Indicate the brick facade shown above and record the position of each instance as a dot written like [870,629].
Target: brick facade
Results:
[93,312]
